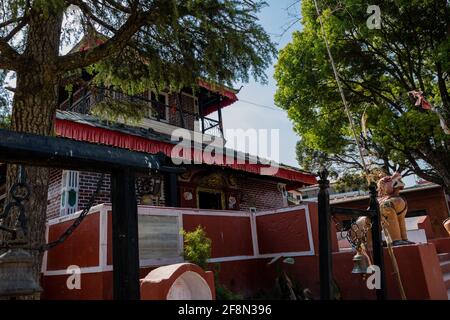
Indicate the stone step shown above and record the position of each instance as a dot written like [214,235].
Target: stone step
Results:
[444,257]
[445,266]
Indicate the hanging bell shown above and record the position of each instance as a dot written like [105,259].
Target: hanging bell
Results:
[16,278]
[360,264]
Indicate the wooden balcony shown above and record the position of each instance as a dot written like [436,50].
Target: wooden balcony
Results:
[174,115]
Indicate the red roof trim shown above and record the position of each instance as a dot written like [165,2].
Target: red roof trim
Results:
[228,95]
[87,133]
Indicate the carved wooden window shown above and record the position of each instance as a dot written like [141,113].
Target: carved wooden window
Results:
[69,192]
[159,106]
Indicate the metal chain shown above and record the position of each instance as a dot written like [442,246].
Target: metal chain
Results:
[63,237]
[77,221]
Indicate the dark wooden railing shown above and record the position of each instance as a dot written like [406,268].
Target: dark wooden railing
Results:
[158,111]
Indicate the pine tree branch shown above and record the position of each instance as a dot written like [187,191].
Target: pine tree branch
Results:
[10,21]
[9,58]
[23,22]
[88,13]
[118,6]
[121,38]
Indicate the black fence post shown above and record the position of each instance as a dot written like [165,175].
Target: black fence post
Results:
[377,242]
[125,235]
[219,114]
[324,212]
[171,189]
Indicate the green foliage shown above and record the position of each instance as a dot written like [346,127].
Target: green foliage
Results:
[113,110]
[351,182]
[220,41]
[377,68]
[169,44]
[197,250]
[197,247]
[223,293]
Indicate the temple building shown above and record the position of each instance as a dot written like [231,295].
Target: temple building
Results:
[234,184]
[262,217]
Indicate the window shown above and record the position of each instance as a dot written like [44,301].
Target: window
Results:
[209,200]
[69,192]
[159,106]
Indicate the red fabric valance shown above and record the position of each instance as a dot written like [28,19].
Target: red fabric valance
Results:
[84,132]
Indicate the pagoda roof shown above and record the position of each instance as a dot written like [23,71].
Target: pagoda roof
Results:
[91,129]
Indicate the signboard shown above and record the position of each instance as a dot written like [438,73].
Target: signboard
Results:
[159,237]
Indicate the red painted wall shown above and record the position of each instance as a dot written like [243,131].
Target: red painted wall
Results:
[94,286]
[231,236]
[282,232]
[81,248]
[419,269]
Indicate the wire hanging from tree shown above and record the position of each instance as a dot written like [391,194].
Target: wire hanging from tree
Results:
[355,136]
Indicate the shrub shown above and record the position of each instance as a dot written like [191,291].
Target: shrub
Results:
[197,250]
[197,247]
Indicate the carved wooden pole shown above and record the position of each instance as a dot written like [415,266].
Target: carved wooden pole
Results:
[324,212]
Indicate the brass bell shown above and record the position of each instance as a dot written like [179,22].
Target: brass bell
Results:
[360,264]
[16,277]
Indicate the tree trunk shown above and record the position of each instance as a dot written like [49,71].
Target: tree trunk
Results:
[34,107]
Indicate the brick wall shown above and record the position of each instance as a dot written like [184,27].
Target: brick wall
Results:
[254,192]
[87,185]
[54,194]
[259,193]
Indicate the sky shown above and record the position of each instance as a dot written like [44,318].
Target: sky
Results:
[242,115]
[280,19]
[276,18]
